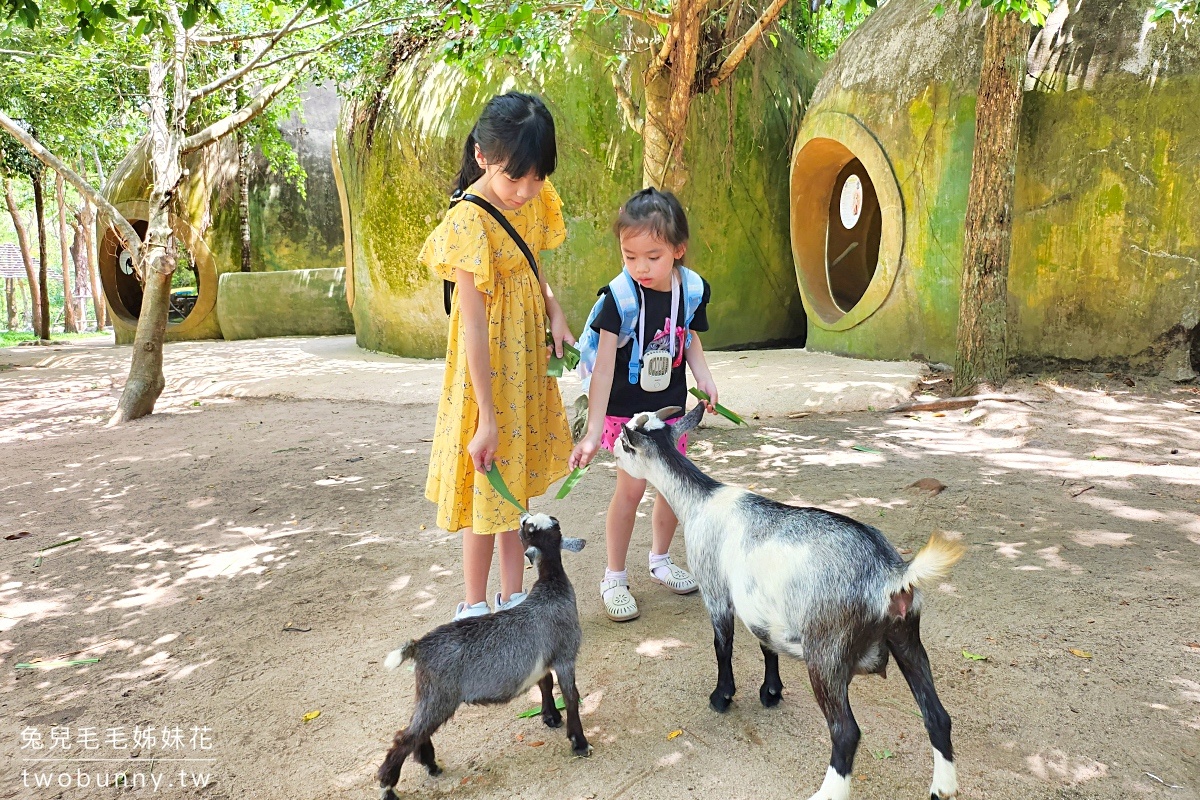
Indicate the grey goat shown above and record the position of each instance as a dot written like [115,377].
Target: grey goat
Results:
[494,658]
[806,582]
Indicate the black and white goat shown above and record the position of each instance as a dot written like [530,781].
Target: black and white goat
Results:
[806,582]
[494,658]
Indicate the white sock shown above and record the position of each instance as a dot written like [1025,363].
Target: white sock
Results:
[658,565]
[609,575]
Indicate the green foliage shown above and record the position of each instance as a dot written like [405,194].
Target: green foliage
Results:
[1033,12]
[1184,12]
[15,160]
[80,98]
[822,31]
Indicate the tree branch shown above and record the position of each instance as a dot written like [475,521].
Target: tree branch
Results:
[227,38]
[752,35]
[663,54]
[652,18]
[228,125]
[220,83]
[133,242]
[321,48]
[628,108]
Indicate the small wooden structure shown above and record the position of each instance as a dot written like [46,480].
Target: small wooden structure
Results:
[12,270]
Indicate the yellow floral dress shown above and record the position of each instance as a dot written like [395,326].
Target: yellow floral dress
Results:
[535,438]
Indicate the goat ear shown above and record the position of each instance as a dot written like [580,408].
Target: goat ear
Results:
[666,413]
[688,422]
[572,544]
[638,421]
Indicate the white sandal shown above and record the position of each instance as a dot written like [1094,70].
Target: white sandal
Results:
[618,605]
[679,581]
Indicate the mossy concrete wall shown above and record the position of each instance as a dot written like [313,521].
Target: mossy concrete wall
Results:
[1106,251]
[301,302]
[399,154]
[288,231]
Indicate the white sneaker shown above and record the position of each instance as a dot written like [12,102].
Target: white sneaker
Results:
[515,599]
[463,611]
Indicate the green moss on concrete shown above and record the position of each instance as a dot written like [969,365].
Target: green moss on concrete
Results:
[306,302]
[1106,246]
[919,317]
[397,176]
[1109,184]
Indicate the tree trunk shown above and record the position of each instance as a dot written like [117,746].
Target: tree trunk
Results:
[243,173]
[243,180]
[982,352]
[668,98]
[87,220]
[80,262]
[146,382]
[27,305]
[656,141]
[31,274]
[39,210]
[10,303]
[70,308]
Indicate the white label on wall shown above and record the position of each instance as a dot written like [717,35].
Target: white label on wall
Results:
[852,201]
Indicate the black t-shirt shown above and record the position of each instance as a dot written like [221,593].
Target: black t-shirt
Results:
[628,399]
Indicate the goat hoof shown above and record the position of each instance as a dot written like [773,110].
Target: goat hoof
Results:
[720,702]
[552,721]
[770,697]
[387,793]
[434,770]
[582,750]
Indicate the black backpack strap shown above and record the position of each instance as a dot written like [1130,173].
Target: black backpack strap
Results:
[448,286]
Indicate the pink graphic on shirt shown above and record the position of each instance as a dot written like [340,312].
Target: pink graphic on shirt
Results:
[661,342]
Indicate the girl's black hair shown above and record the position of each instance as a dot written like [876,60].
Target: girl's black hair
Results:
[657,213]
[515,130]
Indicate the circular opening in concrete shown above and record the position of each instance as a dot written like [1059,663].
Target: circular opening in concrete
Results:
[193,285]
[127,284]
[847,221]
[852,245]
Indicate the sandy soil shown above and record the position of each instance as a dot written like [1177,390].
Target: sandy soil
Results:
[211,531]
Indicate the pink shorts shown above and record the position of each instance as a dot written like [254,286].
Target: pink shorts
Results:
[612,429]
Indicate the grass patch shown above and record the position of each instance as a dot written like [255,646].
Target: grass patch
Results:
[13,338]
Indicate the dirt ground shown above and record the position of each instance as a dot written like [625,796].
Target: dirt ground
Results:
[243,564]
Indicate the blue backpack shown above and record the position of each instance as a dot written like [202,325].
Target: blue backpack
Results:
[624,291]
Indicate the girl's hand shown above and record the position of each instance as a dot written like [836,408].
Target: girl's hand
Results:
[707,386]
[584,452]
[484,444]
[559,330]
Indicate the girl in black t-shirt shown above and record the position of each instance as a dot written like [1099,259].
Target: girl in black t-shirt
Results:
[653,233]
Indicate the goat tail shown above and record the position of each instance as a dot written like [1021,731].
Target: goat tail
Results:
[932,562]
[400,655]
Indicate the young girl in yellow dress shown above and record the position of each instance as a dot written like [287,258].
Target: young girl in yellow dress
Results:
[498,405]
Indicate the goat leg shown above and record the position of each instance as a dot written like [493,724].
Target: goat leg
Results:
[904,640]
[550,714]
[431,712]
[566,684]
[771,691]
[722,696]
[389,771]
[831,687]
[426,758]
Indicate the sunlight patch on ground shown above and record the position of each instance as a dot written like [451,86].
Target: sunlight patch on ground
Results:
[657,648]
[1055,765]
